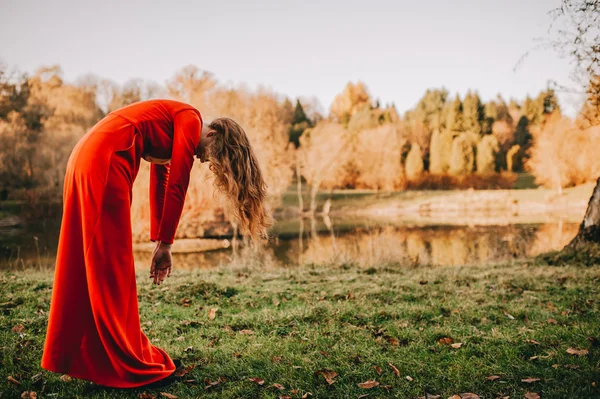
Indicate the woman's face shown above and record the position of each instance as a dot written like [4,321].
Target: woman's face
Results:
[206,137]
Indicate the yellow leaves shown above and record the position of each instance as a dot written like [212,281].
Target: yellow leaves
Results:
[19,328]
[396,371]
[328,375]
[368,384]
[531,395]
[257,380]
[168,395]
[212,313]
[29,395]
[577,352]
[530,380]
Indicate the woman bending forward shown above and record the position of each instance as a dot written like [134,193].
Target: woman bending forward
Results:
[94,328]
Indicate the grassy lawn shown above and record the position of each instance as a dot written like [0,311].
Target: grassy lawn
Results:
[514,322]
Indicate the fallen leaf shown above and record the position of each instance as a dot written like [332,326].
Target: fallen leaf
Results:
[368,384]
[189,349]
[180,338]
[29,395]
[328,375]
[211,384]
[237,354]
[259,381]
[276,359]
[396,371]
[19,328]
[393,341]
[183,371]
[552,321]
[66,378]
[469,395]
[530,380]
[572,366]
[454,397]
[555,366]
[456,345]
[531,395]
[445,341]
[323,353]
[378,369]
[578,352]
[11,379]
[493,378]
[532,341]
[168,395]
[146,396]
[212,313]
[279,386]
[247,332]
[306,395]
[533,357]
[409,378]
[509,316]
[429,396]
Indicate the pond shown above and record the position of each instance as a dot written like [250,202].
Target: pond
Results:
[323,239]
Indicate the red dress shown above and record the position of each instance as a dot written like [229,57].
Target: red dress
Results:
[94,328]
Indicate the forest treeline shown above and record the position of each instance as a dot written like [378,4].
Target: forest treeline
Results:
[445,141]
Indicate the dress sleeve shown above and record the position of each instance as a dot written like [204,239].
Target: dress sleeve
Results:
[159,175]
[186,135]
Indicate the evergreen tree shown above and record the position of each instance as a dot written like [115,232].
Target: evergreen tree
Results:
[473,113]
[414,163]
[462,159]
[454,115]
[439,152]
[299,124]
[487,149]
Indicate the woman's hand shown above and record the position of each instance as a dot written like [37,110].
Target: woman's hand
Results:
[161,262]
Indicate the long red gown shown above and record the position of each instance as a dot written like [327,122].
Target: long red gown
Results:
[94,328]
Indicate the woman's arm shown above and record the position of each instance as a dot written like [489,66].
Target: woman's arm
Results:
[159,175]
[186,135]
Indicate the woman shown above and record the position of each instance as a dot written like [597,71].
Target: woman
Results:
[94,328]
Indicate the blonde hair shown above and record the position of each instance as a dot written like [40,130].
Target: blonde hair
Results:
[238,176]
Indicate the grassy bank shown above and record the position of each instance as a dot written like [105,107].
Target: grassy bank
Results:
[514,323]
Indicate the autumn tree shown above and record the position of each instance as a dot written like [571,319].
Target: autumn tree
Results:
[473,113]
[462,158]
[440,151]
[354,97]
[487,149]
[414,163]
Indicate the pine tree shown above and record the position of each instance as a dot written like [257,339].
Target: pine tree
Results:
[462,158]
[473,113]
[487,149]
[439,152]
[414,163]
[454,115]
[299,124]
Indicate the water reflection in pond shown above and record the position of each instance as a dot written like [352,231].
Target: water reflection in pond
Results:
[363,242]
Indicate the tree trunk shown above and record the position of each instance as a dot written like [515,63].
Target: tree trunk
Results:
[589,230]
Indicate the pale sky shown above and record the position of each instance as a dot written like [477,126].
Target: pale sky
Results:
[296,48]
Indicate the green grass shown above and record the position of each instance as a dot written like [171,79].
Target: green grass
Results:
[515,321]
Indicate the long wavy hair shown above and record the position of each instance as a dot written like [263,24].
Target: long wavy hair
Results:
[238,176]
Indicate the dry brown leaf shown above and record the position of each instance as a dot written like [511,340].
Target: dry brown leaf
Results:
[533,358]
[393,341]
[211,384]
[396,371]
[409,378]
[430,396]
[572,366]
[378,369]
[29,395]
[454,397]
[328,375]
[469,395]
[258,380]
[212,313]
[168,395]
[456,345]
[532,341]
[276,359]
[306,395]
[183,371]
[578,352]
[247,332]
[445,341]
[19,328]
[531,395]
[530,380]
[493,378]
[368,384]
[11,379]
[279,386]
[66,378]
[555,366]
[552,321]
[146,396]
[323,353]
